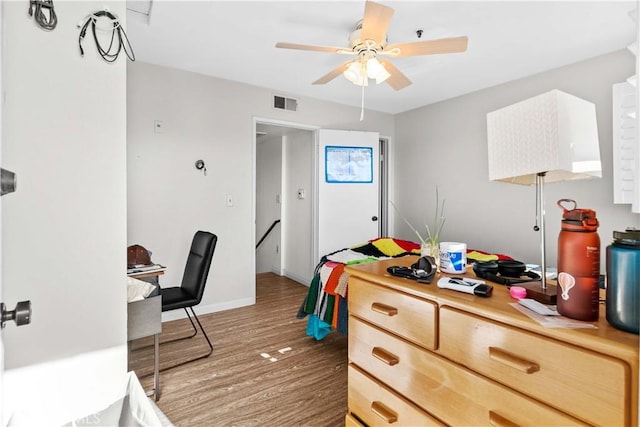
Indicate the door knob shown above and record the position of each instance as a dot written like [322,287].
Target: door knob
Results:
[374,218]
[8,182]
[21,315]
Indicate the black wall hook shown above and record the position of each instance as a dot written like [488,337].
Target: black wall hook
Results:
[201,166]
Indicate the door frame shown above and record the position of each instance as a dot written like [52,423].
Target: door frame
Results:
[1,271]
[386,192]
[384,178]
[283,228]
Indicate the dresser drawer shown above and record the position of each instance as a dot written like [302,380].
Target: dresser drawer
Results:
[412,318]
[588,385]
[351,421]
[377,405]
[443,389]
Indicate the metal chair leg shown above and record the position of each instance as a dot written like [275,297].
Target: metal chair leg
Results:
[203,332]
[206,337]
[193,334]
[193,326]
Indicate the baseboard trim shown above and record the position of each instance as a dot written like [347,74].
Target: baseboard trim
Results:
[299,279]
[207,309]
[277,271]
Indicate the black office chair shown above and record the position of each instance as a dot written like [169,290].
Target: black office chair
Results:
[189,293]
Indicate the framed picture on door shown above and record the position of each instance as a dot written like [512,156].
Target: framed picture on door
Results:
[348,164]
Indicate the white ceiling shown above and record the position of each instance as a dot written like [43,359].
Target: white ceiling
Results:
[235,40]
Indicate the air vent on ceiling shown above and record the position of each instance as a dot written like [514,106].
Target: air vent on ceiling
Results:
[283,103]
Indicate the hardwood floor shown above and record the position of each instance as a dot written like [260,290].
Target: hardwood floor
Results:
[236,385]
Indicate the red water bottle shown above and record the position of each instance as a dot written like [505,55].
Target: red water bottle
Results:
[578,263]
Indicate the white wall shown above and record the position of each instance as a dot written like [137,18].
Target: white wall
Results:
[298,160]
[268,206]
[64,230]
[168,199]
[445,145]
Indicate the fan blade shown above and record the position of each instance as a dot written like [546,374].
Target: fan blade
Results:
[328,49]
[376,22]
[428,47]
[397,80]
[332,74]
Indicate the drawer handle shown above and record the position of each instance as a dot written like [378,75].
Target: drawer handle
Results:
[387,310]
[500,421]
[513,361]
[385,356]
[384,412]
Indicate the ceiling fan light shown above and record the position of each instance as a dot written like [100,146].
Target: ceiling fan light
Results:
[362,80]
[353,71]
[375,70]
[356,74]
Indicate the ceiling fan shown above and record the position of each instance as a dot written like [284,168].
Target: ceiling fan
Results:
[368,42]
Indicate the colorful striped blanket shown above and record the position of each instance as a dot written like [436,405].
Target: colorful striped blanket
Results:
[326,302]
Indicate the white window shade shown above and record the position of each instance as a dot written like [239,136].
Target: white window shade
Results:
[625,146]
[626,143]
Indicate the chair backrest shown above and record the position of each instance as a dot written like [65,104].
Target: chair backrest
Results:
[198,263]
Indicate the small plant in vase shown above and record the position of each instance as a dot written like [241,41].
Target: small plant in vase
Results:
[429,243]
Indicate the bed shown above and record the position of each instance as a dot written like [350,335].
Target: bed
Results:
[325,305]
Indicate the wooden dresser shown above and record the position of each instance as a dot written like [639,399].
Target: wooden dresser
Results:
[419,356]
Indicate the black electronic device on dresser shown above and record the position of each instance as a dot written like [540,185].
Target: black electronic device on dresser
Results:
[504,272]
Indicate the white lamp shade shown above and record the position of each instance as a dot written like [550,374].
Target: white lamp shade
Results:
[555,132]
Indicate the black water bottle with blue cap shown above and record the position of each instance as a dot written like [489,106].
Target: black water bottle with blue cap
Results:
[623,280]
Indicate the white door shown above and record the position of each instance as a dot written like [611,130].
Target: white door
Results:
[348,189]
[1,334]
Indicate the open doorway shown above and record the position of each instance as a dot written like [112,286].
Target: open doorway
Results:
[284,200]
[286,183]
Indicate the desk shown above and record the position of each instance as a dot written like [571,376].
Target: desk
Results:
[144,318]
[143,274]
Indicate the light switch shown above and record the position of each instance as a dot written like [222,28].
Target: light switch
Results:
[229,200]
[300,193]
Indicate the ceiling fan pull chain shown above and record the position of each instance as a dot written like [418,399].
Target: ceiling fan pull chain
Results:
[362,106]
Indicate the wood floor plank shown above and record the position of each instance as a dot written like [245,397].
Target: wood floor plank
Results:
[236,386]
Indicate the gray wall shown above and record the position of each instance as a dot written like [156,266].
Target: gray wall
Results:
[64,134]
[445,145]
[168,199]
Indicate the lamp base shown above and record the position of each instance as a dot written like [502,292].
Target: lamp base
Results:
[546,296]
